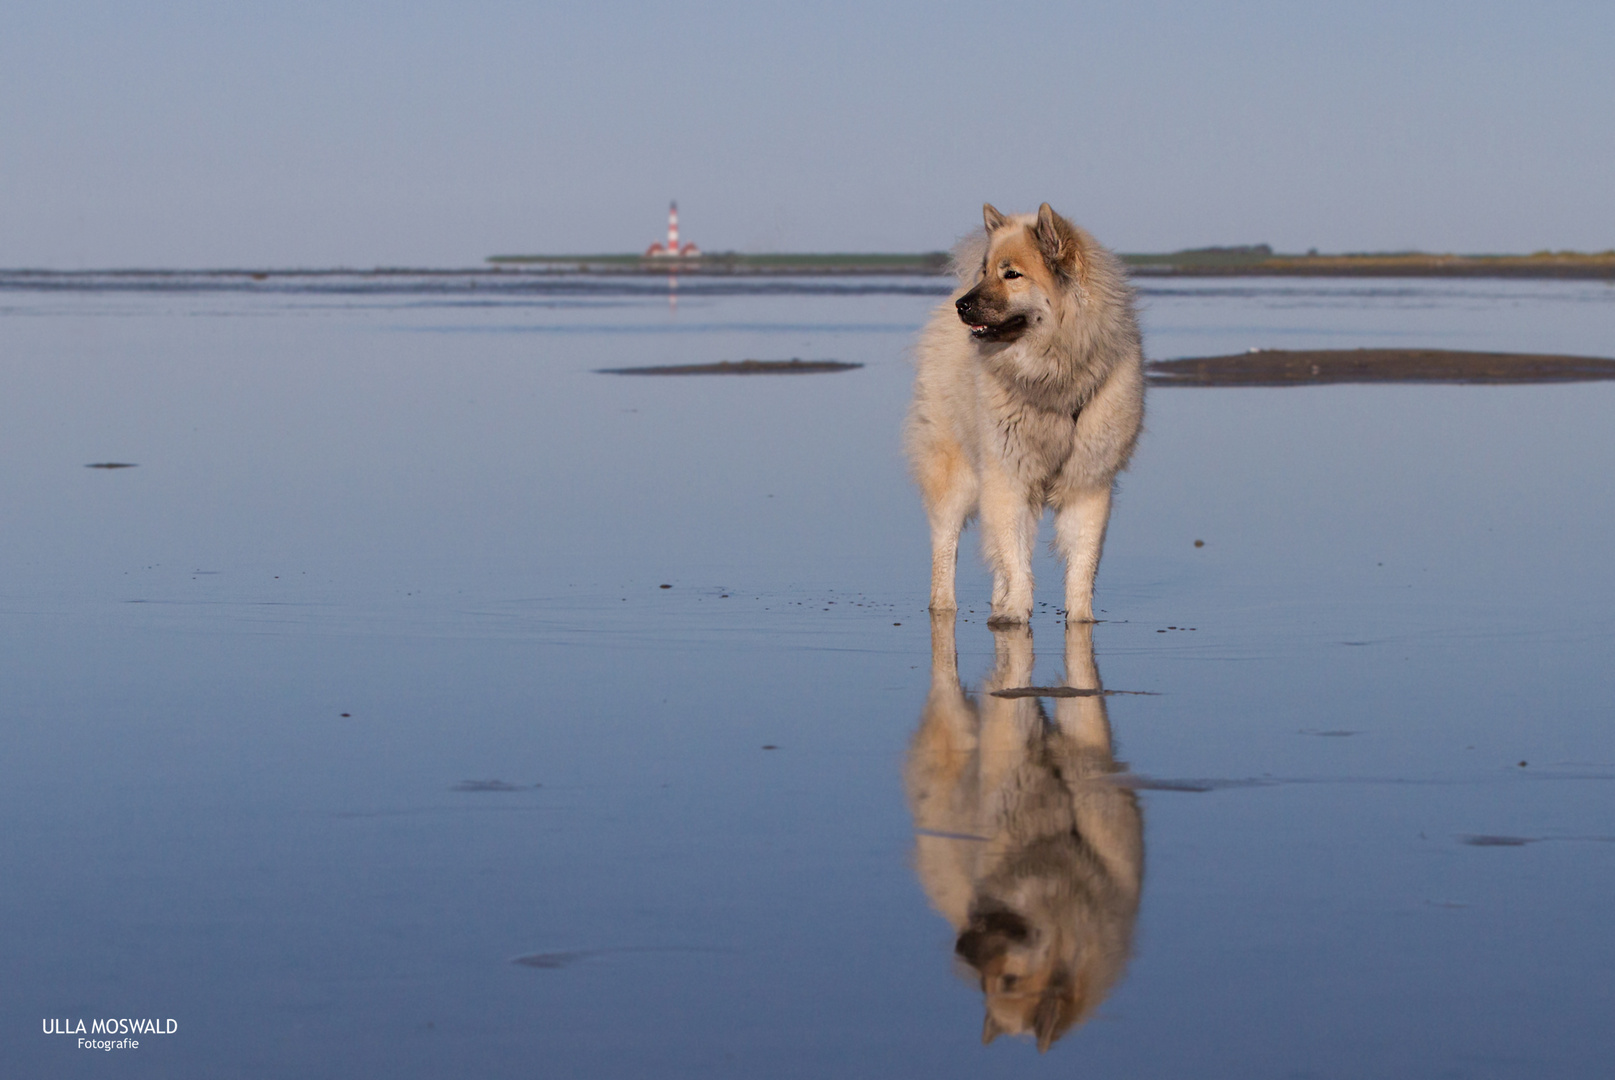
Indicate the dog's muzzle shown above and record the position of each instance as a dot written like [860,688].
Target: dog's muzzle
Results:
[982,327]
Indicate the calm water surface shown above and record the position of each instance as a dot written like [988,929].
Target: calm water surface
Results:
[355,729]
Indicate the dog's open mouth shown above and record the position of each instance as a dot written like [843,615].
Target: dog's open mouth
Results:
[1007,330]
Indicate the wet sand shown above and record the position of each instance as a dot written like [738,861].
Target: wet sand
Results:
[426,705]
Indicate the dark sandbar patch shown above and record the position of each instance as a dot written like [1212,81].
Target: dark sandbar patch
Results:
[739,367]
[1065,691]
[552,960]
[1304,367]
[487,785]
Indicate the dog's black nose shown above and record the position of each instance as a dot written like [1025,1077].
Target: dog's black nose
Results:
[962,304]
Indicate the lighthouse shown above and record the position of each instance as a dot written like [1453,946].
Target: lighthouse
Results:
[672,249]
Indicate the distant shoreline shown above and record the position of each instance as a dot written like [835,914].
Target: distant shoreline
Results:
[1251,261]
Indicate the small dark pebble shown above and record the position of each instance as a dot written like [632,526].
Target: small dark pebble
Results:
[1199,543]
[1522,764]
[664,586]
[347,714]
[770,746]
[897,624]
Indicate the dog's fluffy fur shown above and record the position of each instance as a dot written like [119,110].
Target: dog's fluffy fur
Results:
[1026,844]
[1029,393]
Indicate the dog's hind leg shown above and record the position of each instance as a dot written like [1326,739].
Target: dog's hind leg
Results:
[948,486]
[1008,531]
[1079,535]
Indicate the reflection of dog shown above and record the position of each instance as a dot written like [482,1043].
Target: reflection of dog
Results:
[1029,393]
[1024,845]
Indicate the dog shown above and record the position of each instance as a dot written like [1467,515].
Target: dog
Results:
[1024,841]
[1028,393]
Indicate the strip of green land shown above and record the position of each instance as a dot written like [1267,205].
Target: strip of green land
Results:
[928,262]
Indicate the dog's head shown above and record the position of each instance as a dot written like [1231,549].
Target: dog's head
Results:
[1032,980]
[1031,263]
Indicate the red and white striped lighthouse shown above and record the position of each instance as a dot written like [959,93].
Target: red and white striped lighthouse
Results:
[672,249]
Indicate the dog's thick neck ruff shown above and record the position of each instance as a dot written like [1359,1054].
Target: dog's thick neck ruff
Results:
[1046,372]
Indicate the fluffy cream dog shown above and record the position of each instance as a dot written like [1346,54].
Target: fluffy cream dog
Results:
[1029,394]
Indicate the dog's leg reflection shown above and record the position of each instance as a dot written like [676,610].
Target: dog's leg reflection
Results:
[1024,845]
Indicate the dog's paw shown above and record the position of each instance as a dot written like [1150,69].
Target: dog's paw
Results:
[1003,620]
[1079,609]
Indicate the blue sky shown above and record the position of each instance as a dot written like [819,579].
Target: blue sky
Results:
[362,134]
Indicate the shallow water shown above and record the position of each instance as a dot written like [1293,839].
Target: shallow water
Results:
[354,729]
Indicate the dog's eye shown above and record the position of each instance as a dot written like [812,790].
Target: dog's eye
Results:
[1011,274]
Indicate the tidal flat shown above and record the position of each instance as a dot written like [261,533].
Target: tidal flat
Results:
[423,702]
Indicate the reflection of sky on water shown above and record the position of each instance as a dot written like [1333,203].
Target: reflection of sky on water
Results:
[458,538]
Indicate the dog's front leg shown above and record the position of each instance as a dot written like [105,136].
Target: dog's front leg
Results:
[1079,534]
[1008,530]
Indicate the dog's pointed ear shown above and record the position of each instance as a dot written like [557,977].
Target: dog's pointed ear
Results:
[1059,1006]
[992,218]
[990,1030]
[1046,1022]
[1058,243]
